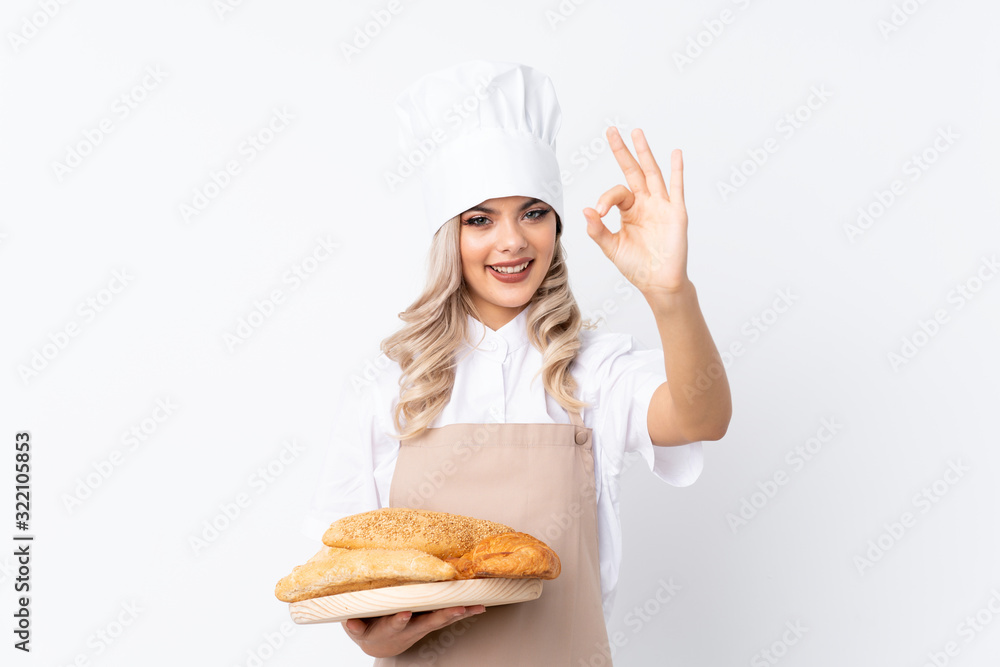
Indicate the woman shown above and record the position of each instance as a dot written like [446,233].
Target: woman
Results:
[496,314]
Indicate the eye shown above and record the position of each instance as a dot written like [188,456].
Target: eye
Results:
[473,221]
[541,212]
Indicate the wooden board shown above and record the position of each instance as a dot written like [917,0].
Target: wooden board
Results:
[414,597]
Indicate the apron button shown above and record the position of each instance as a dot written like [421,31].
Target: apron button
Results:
[581,437]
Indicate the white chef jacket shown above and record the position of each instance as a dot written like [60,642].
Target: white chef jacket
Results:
[493,384]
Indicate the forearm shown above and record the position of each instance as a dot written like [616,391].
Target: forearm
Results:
[696,376]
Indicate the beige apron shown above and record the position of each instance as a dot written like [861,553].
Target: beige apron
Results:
[538,479]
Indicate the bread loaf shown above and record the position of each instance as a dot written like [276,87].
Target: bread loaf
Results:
[510,555]
[437,533]
[395,546]
[331,571]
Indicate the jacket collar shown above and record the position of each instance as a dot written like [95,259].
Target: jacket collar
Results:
[510,336]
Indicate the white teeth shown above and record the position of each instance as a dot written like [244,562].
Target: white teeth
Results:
[510,269]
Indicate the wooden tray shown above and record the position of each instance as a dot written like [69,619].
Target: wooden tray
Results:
[414,597]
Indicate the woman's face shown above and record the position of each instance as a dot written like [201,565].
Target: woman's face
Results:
[506,232]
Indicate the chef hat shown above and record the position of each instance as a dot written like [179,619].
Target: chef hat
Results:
[483,129]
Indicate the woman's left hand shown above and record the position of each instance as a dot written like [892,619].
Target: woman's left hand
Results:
[650,249]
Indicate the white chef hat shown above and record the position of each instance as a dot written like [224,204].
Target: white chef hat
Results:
[483,129]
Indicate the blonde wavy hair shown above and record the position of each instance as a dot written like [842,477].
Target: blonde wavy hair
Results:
[426,346]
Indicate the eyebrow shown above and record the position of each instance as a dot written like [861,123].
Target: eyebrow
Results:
[486,209]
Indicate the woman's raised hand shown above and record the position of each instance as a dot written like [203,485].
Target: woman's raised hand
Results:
[385,636]
[650,249]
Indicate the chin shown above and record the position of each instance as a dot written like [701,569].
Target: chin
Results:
[514,300]
[510,304]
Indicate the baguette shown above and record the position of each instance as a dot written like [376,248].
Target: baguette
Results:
[331,571]
[438,533]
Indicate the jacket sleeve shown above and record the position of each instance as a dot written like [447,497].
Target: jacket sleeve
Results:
[628,374]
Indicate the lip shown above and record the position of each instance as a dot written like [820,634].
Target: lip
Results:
[511,277]
[513,262]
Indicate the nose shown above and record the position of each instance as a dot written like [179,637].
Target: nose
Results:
[509,234]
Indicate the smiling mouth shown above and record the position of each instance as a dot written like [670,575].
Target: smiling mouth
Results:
[508,270]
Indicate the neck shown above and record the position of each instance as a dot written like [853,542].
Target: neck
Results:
[495,317]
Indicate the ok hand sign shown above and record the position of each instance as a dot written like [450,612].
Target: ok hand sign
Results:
[650,249]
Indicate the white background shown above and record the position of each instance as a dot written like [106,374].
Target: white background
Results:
[161,336]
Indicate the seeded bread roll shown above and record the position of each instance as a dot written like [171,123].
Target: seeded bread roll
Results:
[332,571]
[437,533]
[509,555]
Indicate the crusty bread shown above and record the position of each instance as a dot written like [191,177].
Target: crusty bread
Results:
[397,546]
[509,555]
[437,533]
[331,571]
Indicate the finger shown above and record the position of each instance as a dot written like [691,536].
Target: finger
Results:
[358,628]
[654,177]
[398,622]
[355,626]
[619,196]
[677,175]
[633,172]
[440,618]
[596,230]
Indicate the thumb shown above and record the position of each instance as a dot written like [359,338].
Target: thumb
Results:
[596,229]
